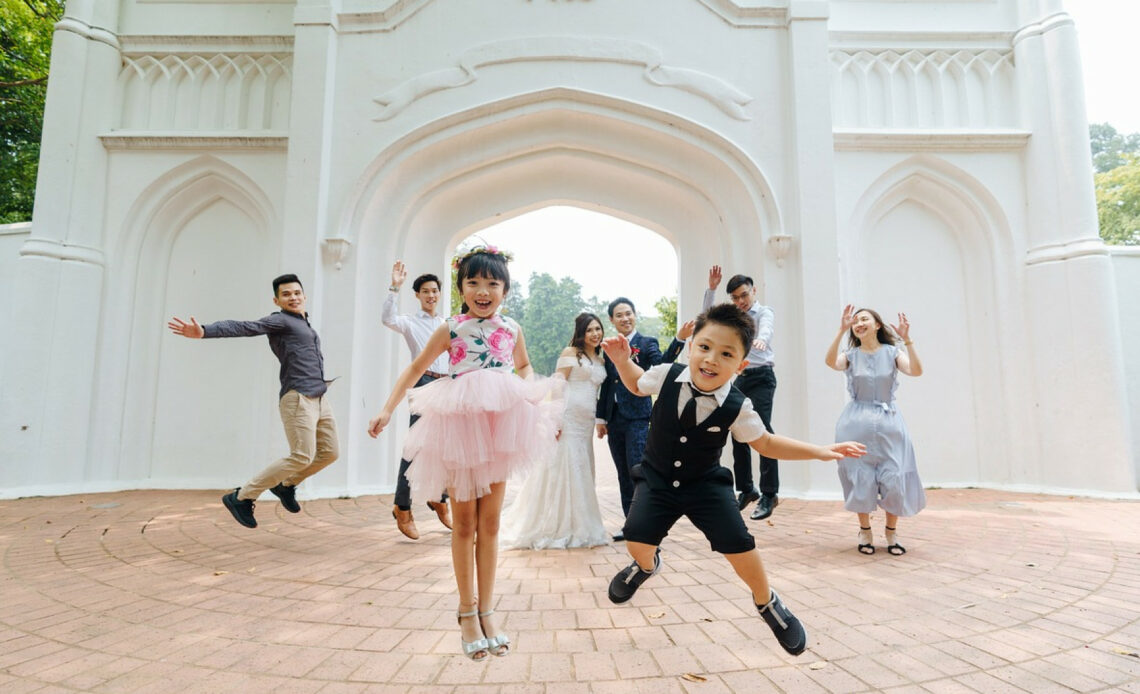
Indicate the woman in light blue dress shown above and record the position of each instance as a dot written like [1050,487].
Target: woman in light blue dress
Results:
[886,477]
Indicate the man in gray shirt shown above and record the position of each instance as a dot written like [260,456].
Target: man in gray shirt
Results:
[305,411]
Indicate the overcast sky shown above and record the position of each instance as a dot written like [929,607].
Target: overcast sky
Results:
[610,257]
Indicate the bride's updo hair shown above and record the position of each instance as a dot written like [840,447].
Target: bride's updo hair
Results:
[578,342]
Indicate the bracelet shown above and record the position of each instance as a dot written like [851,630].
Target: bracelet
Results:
[393,288]
[908,343]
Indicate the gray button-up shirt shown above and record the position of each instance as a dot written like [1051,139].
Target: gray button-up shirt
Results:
[292,339]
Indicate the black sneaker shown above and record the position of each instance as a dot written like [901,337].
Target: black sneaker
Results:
[288,497]
[629,579]
[242,509]
[787,628]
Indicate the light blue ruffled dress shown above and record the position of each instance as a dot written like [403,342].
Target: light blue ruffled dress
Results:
[887,477]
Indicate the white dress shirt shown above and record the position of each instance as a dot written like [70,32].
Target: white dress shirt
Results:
[416,329]
[745,428]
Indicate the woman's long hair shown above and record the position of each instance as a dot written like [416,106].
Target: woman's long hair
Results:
[578,342]
[883,334]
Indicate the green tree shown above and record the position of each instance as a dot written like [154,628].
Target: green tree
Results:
[548,318]
[667,308]
[26,28]
[1110,148]
[1118,202]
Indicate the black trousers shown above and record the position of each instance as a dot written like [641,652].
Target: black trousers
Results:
[758,383]
[709,503]
[626,439]
[403,489]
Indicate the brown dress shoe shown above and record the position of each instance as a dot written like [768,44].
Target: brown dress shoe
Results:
[405,523]
[441,510]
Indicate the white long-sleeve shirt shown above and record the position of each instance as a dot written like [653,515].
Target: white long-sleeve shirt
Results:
[416,329]
[763,317]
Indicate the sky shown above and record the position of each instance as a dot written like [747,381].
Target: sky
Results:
[598,248]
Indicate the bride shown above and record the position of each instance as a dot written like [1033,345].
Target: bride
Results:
[556,507]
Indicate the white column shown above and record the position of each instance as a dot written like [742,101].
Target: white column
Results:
[307,213]
[48,374]
[810,218]
[1074,333]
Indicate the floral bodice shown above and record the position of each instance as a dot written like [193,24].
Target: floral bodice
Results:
[482,343]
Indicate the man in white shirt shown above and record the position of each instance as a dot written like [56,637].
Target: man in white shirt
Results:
[416,329]
[758,383]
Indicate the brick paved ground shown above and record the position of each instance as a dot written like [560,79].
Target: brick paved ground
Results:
[160,591]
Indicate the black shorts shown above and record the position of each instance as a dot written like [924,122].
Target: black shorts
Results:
[710,504]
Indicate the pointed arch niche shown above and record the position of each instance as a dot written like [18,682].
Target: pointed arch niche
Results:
[197,241]
[449,179]
[928,239]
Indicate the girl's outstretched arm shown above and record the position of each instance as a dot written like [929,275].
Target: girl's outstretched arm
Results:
[437,344]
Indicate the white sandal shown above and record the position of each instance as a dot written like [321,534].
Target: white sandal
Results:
[472,649]
[498,645]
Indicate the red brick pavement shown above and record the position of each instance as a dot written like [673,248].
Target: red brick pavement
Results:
[160,591]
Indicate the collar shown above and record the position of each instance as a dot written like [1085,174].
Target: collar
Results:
[424,314]
[302,316]
[632,336]
[721,394]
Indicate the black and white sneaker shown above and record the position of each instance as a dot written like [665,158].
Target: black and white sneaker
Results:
[629,579]
[787,628]
[288,497]
[242,509]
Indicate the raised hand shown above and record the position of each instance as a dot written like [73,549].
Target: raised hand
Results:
[759,344]
[903,328]
[848,318]
[399,274]
[191,329]
[714,277]
[686,330]
[845,449]
[617,348]
[377,424]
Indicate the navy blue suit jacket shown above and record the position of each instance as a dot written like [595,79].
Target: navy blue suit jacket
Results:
[614,397]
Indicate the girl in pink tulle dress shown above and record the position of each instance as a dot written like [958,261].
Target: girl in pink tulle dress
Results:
[476,429]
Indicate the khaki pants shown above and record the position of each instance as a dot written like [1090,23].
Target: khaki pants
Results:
[311,432]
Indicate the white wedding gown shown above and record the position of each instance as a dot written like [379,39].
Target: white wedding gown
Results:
[557,506]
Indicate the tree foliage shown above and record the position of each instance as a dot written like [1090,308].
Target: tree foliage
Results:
[667,308]
[26,28]
[1118,202]
[1110,149]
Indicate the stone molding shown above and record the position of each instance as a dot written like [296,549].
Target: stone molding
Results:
[147,44]
[898,140]
[220,92]
[87,31]
[923,88]
[61,250]
[204,141]
[724,96]
[1054,252]
[16,229]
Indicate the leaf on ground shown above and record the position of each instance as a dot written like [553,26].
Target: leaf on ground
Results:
[818,665]
[707,619]
[693,677]
[1121,651]
[1030,564]
[657,615]
[771,524]
[220,573]
[808,532]
[967,606]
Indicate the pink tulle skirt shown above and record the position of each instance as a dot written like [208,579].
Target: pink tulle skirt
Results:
[479,429]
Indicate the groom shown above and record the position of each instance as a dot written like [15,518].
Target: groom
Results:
[621,416]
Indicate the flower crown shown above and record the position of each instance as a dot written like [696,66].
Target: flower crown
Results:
[481,250]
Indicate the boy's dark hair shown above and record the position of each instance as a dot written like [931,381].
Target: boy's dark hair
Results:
[736,281]
[424,279]
[619,300]
[285,279]
[730,317]
[481,264]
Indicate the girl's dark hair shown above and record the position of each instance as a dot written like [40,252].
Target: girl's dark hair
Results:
[730,317]
[883,334]
[482,264]
[581,325]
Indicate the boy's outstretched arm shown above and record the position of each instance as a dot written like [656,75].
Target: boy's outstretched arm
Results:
[785,448]
[619,352]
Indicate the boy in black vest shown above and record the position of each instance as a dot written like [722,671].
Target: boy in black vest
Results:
[681,475]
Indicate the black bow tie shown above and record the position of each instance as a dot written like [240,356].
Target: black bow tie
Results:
[689,413]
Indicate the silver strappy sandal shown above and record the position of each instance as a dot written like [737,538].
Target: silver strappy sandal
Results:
[472,649]
[499,645]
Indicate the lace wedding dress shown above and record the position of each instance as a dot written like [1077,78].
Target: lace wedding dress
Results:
[557,508]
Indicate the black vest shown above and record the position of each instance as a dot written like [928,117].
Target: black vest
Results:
[676,457]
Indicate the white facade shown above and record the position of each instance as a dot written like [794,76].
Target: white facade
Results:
[928,156]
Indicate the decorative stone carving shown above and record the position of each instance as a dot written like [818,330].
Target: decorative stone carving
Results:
[887,88]
[716,91]
[206,92]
